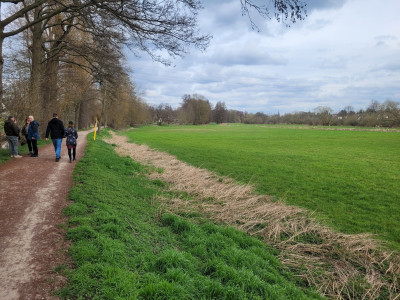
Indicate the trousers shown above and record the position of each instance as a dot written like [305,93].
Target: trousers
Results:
[12,144]
[57,147]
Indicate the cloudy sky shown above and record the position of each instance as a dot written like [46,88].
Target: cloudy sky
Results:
[346,52]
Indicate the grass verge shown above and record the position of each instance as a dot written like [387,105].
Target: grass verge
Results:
[22,150]
[125,245]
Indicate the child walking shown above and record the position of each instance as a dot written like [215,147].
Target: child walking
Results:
[71,135]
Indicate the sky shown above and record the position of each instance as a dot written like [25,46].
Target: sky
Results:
[345,53]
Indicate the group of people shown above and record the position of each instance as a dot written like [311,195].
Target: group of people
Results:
[55,128]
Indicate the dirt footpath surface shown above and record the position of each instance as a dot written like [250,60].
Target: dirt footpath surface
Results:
[33,192]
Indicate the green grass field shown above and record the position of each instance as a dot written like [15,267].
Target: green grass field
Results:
[351,179]
[124,246]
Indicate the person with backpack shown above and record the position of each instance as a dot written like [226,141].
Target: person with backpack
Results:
[71,134]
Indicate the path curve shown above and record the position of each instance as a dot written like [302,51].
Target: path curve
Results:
[33,192]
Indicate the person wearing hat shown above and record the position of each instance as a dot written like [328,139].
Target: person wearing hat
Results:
[12,133]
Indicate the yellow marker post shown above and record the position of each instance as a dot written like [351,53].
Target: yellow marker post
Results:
[95,130]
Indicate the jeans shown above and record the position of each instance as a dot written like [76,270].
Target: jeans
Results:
[57,147]
[12,144]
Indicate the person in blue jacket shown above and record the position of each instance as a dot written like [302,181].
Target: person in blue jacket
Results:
[33,135]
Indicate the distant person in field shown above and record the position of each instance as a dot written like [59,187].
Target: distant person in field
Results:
[71,134]
[55,128]
[24,131]
[33,135]
[12,133]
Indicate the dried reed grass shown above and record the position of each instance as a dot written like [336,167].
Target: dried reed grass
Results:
[340,266]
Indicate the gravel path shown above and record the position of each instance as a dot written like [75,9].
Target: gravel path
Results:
[33,192]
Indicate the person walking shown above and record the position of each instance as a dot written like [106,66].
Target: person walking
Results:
[33,135]
[71,134]
[55,128]
[24,131]
[12,133]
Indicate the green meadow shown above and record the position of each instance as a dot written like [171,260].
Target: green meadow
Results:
[124,245]
[351,179]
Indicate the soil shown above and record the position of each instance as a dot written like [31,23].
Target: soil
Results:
[33,193]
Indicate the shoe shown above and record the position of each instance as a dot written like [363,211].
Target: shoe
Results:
[70,160]
[11,155]
[34,155]
[74,158]
[17,156]
[57,159]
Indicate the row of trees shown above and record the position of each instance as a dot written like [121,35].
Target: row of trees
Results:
[66,56]
[196,109]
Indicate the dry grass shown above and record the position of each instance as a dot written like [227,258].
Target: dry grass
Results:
[341,266]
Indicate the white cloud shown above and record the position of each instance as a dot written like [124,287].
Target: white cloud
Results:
[344,53]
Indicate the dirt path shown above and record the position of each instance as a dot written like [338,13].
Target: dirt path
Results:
[33,192]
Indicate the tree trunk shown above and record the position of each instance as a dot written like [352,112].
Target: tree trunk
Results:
[37,71]
[76,115]
[49,86]
[1,69]
[1,63]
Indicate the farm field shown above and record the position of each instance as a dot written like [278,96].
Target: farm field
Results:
[349,178]
[126,246]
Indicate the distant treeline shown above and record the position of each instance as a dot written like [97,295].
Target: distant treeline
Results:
[196,109]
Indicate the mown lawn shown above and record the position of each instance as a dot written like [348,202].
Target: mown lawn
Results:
[350,178]
[125,246]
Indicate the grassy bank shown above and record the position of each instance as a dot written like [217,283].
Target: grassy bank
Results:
[22,150]
[350,178]
[126,246]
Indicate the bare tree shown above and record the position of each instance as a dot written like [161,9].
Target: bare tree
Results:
[152,26]
[164,114]
[324,114]
[195,109]
[283,10]
[220,113]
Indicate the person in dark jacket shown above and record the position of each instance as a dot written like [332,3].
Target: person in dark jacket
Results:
[33,135]
[55,128]
[12,133]
[71,134]
[24,131]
